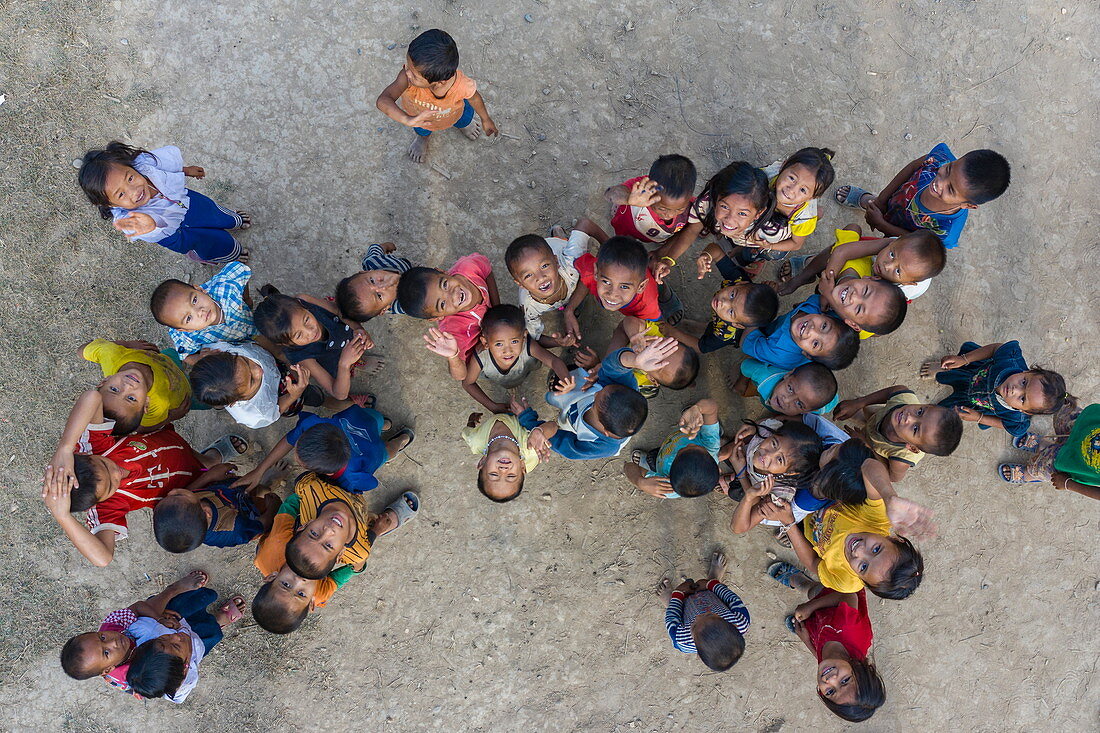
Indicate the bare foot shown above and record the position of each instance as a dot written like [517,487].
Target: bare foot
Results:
[559,231]
[244,256]
[717,569]
[387,521]
[387,424]
[246,220]
[369,365]
[664,590]
[230,612]
[472,131]
[929,369]
[192,581]
[418,151]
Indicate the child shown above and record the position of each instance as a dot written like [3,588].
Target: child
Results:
[909,261]
[904,428]
[345,449]
[686,465]
[653,207]
[681,362]
[334,527]
[456,300]
[506,456]
[430,88]
[935,192]
[218,310]
[145,194]
[1069,459]
[507,354]
[804,334]
[166,662]
[106,652]
[213,514]
[706,617]
[777,457]
[142,388]
[544,271]
[373,291]
[811,387]
[252,387]
[619,278]
[994,387]
[871,306]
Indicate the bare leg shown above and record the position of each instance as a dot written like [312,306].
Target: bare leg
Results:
[717,568]
[592,229]
[418,151]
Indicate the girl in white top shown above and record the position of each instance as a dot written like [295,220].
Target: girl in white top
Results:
[543,269]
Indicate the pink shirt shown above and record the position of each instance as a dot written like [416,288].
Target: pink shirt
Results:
[466,326]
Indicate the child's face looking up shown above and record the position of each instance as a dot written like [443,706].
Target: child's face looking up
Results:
[325,538]
[536,271]
[795,185]
[872,556]
[859,299]
[668,208]
[836,682]
[304,328]
[375,290]
[249,377]
[102,651]
[293,591]
[505,343]
[950,189]
[729,303]
[1024,392]
[190,309]
[897,264]
[177,645]
[792,396]
[916,425]
[734,214]
[816,334]
[502,470]
[125,392]
[617,286]
[448,295]
[773,455]
[126,188]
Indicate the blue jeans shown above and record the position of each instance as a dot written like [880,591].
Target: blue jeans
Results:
[466,118]
[192,606]
[202,234]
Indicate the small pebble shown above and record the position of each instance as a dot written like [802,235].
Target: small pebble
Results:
[584,162]
[908,136]
[529,18]
[546,91]
[78,162]
[124,42]
[391,46]
[874,131]
[544,497]
[530,184]
[359,51]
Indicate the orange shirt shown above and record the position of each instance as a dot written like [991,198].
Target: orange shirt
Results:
[415,100]
[271,556]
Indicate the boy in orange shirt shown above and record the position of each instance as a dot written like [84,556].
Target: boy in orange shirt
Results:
[434,94]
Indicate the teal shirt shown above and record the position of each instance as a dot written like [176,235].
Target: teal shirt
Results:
[767,377]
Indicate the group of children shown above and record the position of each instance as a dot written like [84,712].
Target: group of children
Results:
[828,493]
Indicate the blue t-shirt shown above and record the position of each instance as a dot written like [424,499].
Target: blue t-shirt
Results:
[767,378]
[905,210]
[363,428]
[709,437]
[773,343]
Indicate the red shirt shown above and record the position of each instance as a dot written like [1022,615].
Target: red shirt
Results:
[644,305]
[642,222]
[850,626]
[158,462]
[466,326]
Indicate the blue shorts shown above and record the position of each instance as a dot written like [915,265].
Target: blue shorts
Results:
[463,121]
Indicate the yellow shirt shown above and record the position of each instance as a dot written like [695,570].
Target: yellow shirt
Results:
[170,388]
[860,265]
[643,379]
[314,493]
[827,529]
[477,438]
[878,441]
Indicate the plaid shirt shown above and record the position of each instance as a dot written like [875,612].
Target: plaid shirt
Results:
[227,290]
[377,259]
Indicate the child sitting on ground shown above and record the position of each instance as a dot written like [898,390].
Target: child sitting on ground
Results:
[506,355]
[778,457]
[434,94]
[456,300]
[506,456]
[804,334]
[994,387]
[686,464]
[166,661]
[543,269]
[213,514]
[653,207]
[142,389]
[311,333]
[145,193]
[808,388]
[373,290]
[335,528]
[106,652]
[619,278]
[218,310]
[706,617]
[904,428]
[681,362]
[934,192]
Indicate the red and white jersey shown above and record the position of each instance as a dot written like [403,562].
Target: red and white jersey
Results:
[158,462]
[642,223]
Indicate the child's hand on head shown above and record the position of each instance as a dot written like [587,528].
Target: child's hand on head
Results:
[194,171]
[61,466]
[56,493]
[845,409]
[655,355]
[704,263]
[473,420]
[655,486]
[691,421]
[353,350]
[442,343]
[645,192]
[136,224]
[968,414]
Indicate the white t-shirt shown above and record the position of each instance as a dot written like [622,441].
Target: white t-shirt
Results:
[263,408]
[566,252]
[146,628]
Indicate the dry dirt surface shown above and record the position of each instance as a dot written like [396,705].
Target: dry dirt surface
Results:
[540,614]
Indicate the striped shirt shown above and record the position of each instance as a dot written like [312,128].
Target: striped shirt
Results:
[717,599]
[227,290]
[377,259]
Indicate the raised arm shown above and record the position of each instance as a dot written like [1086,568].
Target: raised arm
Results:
[88,410]
[469,383]
[552,361]
[99,548]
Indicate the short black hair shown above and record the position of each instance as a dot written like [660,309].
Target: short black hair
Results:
[821,379]
[504,314]
[987,175]
[676,175]
[841,479]
[688,370]
[72,657]
[625,252]
[622,410]
[928,248]
[761,305]
[1054,389]
[214,379]
[870,694]
[719,644]
[302,565]
[154,673]
[412,290]
[948,433]
[906,575]
[891,319]
[273,315]
[273,616]
[324,449]
[124,424]
[501,499]
[847,348]
[160,296]
[693,472]
[434,54]
[179,526]
[83,496]
[521,246]
[348,304]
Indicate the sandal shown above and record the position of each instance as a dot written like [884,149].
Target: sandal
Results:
[641,458]
[1013,473]
[792,267]
[783,572]
[233,609]
[406,507]
[781,537]
[226,448]
[1026,442]
[789,621]
[246,220]
[366,400]
[852,198]
[404,431]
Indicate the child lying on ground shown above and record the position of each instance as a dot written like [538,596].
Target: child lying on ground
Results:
[706,617]
[506,455]
[544,272]
[686,464]
[373,291]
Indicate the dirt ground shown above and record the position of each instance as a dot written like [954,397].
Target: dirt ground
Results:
[540,614]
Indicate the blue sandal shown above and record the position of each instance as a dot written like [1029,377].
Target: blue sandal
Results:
[855,194]
[1028,442]
[783,572]
[1008,474]
[789,621]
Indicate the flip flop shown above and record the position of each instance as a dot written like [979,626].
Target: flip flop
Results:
[1026,442]
[1008,475]
[232,611]
[855,193]
[641,458]
[225,448]
[367,400]
[404,431]
[792,267]
[404,512]
[789,622]
[783,572]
